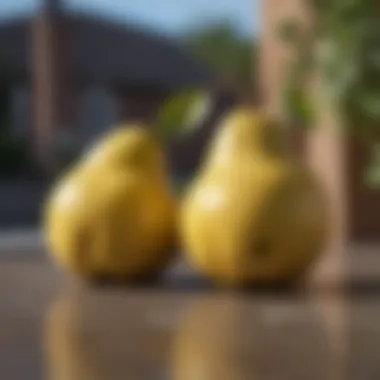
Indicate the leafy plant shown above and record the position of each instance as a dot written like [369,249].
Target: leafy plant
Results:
[342,46]
[221,47]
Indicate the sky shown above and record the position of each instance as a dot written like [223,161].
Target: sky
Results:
[167,16]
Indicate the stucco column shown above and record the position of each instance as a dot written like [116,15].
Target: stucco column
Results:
[324,149]
[52,87]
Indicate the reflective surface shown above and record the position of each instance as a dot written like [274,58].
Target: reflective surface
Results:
[56,329]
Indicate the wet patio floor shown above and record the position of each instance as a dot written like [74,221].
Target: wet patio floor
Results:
[55,328]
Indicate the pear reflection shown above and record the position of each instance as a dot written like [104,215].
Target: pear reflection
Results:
[229,338]
[92,336]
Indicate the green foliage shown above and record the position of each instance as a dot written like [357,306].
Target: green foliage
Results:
[181,112]
[222,48]
[343,45]
[299,105]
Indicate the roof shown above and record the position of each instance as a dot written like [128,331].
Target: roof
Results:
[107,51]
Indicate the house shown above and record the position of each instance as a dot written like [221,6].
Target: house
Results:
[74,74]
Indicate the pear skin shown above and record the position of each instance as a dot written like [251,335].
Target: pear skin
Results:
[253,215]
[114,214]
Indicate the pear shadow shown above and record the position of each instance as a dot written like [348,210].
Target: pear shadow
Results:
[106,282]
[183,278]
[200,285]
[187,283]
[194,283]
[183,284]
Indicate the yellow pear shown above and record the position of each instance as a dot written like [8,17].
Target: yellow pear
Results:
[113,215]
[228,338]
[253,214]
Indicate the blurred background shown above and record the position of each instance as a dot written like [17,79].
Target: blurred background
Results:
[70,70]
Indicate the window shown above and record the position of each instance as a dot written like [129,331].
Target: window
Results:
[98,111]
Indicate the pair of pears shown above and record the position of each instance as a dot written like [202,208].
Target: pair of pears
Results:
[251,215]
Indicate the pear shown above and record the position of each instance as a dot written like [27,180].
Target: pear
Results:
[253,215]
[113,215]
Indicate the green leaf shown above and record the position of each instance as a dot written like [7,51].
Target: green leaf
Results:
[198,110]
[299,105]
[179,112]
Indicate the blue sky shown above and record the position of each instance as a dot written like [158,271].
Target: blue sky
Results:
[169,16]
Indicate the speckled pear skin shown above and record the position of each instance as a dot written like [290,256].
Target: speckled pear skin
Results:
[113,215]
[253,215]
